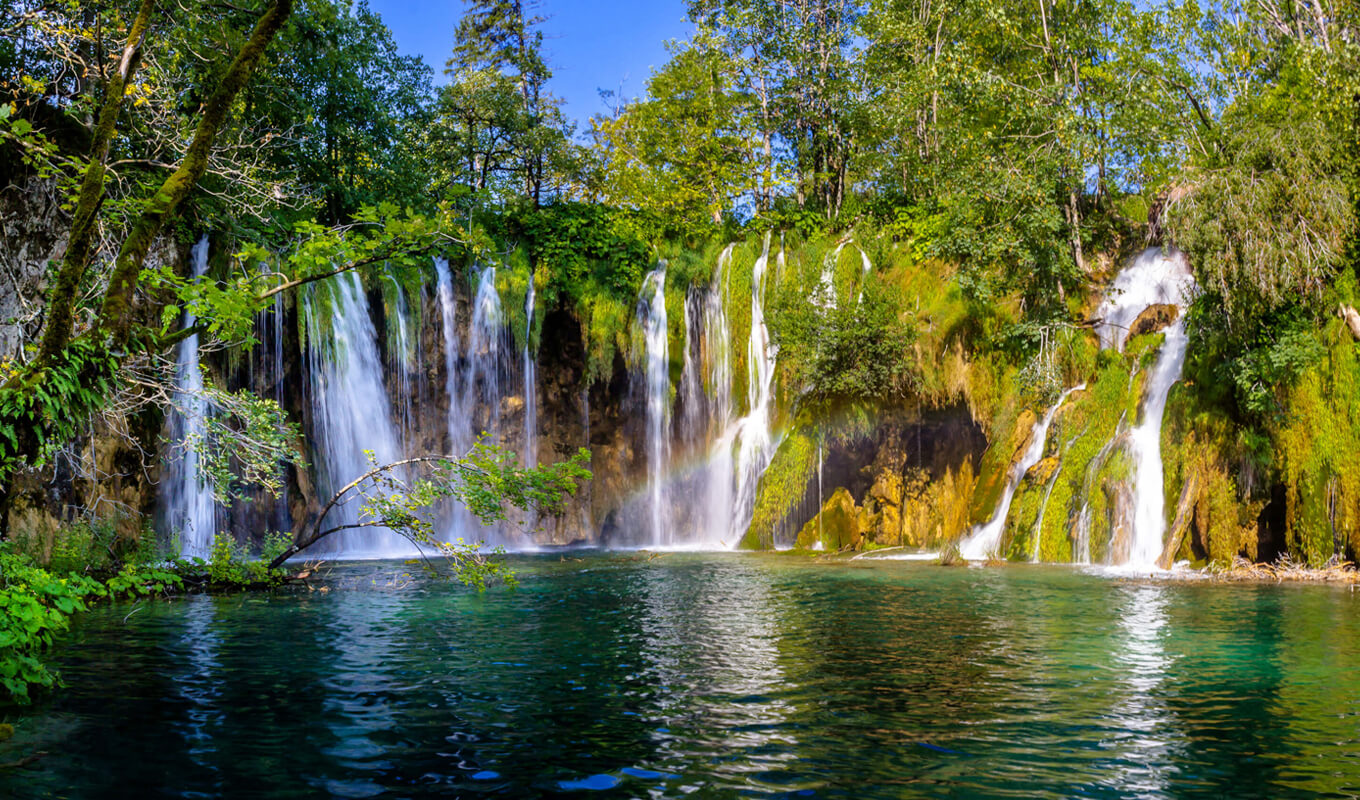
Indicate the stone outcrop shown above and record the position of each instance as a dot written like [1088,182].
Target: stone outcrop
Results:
[1154,318]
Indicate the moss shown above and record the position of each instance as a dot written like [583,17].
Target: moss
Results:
[782,487]
[1318,448]
[836,526]
[1021,527]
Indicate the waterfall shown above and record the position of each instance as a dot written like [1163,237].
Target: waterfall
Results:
[1155,276]
[982,543]
[399,351]
[482,388]
[472,381]
[350,409]
[754,437]
[825,293]
[448,309]
[706,380]
[865,268]
[530,382]
[721,490]
[1036,557]
[651,322]
[190,511]
[1152,277]
[1149,516]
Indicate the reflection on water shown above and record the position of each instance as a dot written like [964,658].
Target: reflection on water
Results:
[1144,750]
[197,682]
[712,675]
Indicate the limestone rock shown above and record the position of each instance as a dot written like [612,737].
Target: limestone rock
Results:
[836,526]
[1154,318]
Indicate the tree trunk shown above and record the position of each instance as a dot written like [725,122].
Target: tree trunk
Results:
[115,317]
[76,260]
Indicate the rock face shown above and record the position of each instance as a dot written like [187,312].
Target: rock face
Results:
[915,489]
[32,233]
[1154,318]
[108,473]
[836,527]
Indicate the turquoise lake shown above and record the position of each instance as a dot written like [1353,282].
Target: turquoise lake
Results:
[709,675]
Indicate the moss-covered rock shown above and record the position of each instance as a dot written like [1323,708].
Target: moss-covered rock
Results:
[835,527]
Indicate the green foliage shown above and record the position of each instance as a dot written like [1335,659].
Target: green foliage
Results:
[488,481]
[45,405]
[246,442]
[858,350]
[84,547]
[34,606]
[137,581]
[683,153]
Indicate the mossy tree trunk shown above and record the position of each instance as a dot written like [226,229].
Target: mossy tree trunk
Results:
[79,244]
[115,317]
[46,400]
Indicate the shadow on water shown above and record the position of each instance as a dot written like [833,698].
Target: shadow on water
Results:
[712,675]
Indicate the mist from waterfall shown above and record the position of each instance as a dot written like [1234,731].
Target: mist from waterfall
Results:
[189,508]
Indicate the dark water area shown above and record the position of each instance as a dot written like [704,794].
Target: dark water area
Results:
[608,674]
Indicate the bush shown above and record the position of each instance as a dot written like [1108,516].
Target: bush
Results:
[34,606]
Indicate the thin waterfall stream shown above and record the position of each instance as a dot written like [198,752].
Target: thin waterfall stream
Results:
[981,544]
[189,508]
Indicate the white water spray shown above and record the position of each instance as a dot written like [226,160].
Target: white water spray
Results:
[187,495]
[651,322]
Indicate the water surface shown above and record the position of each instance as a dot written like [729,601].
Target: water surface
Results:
[712,676]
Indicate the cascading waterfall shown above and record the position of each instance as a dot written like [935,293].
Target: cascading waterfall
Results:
[400,348]
[1149,520]
[825,294]
[190,511]
[473,380]
[651,322]
[982,543]
[350,409]
[530,382]
[723,487]
[448,309]
[754,438]
[1155,276]
[706,381]
[1036,556]
[865,268]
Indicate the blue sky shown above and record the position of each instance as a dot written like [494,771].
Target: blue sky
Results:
[591,44]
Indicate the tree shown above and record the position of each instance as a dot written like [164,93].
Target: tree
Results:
[497,46]
[349,107]
[485,480]
[41,404]
[684,152]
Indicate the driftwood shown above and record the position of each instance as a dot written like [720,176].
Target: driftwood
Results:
[1352,318]
[1184,510]
[1286,569]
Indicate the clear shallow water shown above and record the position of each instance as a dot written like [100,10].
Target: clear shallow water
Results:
[711,675]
